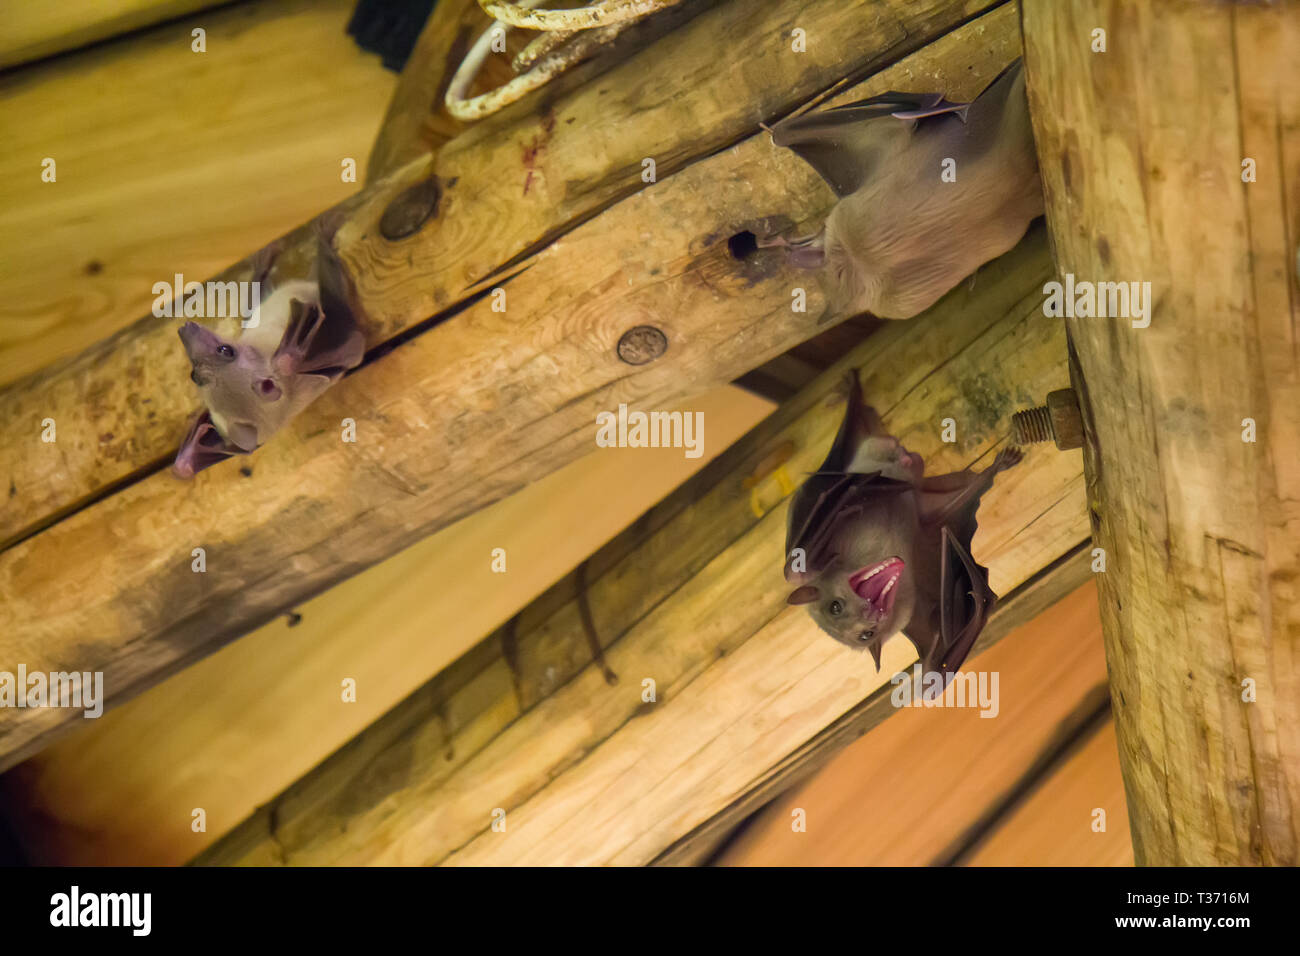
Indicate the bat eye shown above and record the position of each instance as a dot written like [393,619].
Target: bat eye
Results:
[226,351]
[836,608]
[866,635]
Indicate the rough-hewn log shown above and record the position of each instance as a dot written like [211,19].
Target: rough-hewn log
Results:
[511,185]
[167,161]
[37,30]
[1019,607]
[692,598]
[1173,158]
[218,735]
[458,417]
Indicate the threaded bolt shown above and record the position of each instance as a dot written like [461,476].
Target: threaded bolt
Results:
[1059,420]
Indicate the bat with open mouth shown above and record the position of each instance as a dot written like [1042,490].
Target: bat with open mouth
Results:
[929,190]
[302,338]
[875,547]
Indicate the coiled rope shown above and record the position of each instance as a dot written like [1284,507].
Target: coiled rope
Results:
[567,38]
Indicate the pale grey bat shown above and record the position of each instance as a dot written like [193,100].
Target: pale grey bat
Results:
[302,338]
[900,236]
[874,547]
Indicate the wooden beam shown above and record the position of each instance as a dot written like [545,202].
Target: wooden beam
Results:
[182,744]
[512,185]
[417,122]
[37,30]
[243,162]
[1146,151]
[456,418]
[1018,608]
[960,770]
[692,598]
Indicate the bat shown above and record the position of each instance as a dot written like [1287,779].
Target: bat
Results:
[875,547]
[302,338]
[901,236]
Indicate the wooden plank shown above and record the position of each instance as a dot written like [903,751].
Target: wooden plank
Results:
[512,184]
[219,735]
[37,30]
[1055,826]
[458,417]
[929,774]
[1143,162]
[691,597]
[247,157]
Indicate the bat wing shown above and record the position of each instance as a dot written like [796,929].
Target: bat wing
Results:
[965,602]
[318,343]
[947,624]
[860,423]
[323,338]
[203,447]
[821,506]
[841,143]
[833,494]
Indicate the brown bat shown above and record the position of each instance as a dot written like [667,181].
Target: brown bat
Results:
[300,340]
[900,236]
[875,547]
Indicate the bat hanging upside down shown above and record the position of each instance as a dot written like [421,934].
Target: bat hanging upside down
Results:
[875,547]
[902,234]
[300,340]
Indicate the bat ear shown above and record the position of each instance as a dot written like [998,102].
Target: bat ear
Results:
[874,647]
[804,595]
[267,390]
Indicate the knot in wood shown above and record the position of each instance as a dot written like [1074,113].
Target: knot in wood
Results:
[642,344]
[409,211]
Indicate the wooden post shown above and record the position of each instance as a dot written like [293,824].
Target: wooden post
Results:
[1169,140]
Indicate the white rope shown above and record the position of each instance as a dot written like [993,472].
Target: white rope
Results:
[568,37]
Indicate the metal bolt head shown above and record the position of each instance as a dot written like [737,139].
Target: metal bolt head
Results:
[1058,420]
[642,344]
[1067,420]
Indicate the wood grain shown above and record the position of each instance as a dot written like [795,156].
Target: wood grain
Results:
[1142,160]
[691,597]
[36,30]
[458,417]
[513,185]
[232,730]
[168,161]
[1055,826]
[900,795]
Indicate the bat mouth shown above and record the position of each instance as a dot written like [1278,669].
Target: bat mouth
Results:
[877,584]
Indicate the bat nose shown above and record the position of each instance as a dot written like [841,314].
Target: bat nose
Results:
[196,378]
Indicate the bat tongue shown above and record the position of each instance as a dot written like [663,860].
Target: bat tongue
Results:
[877,584]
